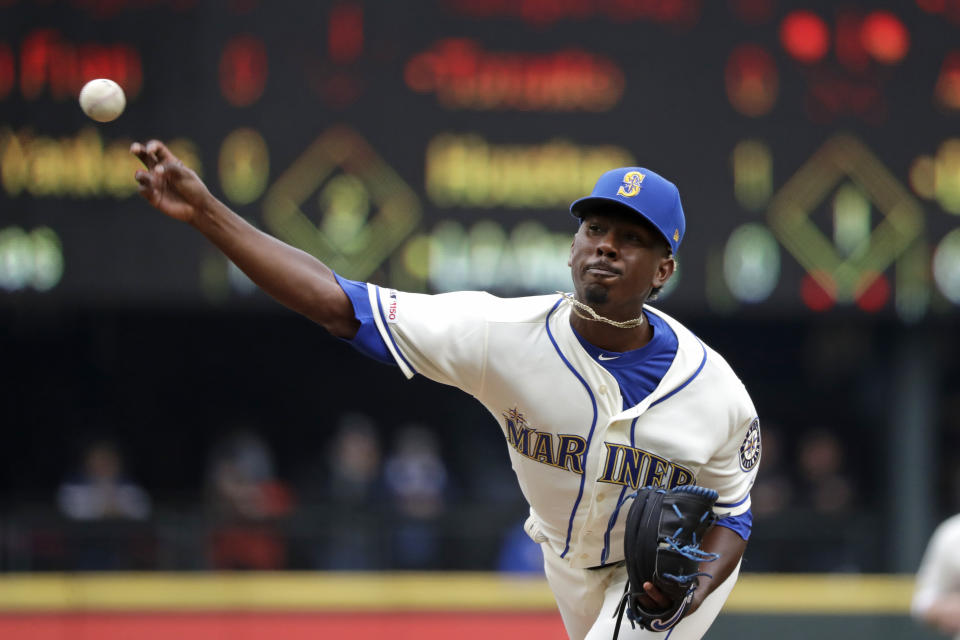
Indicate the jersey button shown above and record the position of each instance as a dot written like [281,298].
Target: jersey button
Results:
[584,556]
[602,389]
[600,497]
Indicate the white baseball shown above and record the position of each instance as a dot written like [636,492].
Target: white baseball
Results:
[102,100]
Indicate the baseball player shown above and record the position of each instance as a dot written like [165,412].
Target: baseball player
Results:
[936,596]
[596,393]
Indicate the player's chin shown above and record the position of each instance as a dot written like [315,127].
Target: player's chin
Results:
[596,293]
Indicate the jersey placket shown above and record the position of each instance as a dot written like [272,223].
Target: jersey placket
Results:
[600,498]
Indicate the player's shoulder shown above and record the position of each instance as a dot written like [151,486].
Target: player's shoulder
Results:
[949,530]
[483,304]
[715,366]
[525,309]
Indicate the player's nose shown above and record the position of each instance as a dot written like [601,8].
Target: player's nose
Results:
[607,246]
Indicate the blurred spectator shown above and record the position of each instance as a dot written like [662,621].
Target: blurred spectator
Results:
[824,501]
[416,481]
[110,506]
[773,490]
[416,476]
[354,485]
[355,473]
[936,598]
[245,495]
[825,483]
[100,490]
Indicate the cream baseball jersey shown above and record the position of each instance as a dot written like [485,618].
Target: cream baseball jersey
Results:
[577,448]
[939,574]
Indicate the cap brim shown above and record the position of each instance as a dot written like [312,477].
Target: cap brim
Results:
[620,204]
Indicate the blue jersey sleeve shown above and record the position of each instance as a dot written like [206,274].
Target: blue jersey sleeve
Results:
[741,524]
[368,340]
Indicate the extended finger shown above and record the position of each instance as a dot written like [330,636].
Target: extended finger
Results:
[148,159]
[149,194]
[144,178]
[148,185]
[161,152]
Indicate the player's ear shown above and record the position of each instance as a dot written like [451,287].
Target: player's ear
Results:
[664,270]
[570,258]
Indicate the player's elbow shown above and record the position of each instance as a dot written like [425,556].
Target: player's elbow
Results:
[330,307]
[342,327]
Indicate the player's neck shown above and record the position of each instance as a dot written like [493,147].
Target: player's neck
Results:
[609,337]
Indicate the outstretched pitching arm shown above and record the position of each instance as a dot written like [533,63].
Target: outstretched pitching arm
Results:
[295,278]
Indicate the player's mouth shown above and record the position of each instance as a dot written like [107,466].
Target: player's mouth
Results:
[602,270]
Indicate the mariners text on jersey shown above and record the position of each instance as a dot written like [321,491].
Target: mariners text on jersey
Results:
[623,465]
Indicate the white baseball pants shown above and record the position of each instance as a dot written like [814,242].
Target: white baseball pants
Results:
[588,600]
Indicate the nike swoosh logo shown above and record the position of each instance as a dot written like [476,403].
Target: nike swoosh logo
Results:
[601,356]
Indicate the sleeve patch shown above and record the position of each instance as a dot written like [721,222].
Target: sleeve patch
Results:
[750,449]
[391,312]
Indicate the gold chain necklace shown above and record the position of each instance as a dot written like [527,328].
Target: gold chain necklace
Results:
[579,308]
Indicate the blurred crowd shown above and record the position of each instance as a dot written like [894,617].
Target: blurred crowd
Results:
[376,499]
[808,485]
[248,504]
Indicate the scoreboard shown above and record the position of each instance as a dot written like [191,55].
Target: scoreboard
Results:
[435,145]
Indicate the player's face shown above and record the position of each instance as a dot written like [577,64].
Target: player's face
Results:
[617,259]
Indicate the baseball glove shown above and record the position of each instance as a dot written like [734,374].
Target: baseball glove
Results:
[662,546]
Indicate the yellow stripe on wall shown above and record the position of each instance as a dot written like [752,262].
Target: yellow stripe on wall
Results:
[329,592]
[272,591]
[821,594]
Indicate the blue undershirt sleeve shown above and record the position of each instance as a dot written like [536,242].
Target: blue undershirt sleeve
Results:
[741,524]
[368,340]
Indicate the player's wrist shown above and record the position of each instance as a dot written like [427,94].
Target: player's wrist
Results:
[209,213]
[698,597]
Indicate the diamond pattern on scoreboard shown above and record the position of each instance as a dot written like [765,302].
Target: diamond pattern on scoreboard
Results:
[843,157]
[291,212]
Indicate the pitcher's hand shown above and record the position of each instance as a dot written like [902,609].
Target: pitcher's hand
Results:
[167,184]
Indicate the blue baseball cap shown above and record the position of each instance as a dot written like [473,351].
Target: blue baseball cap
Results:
[641,190]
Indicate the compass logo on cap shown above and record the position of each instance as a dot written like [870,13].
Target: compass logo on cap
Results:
[632,181]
